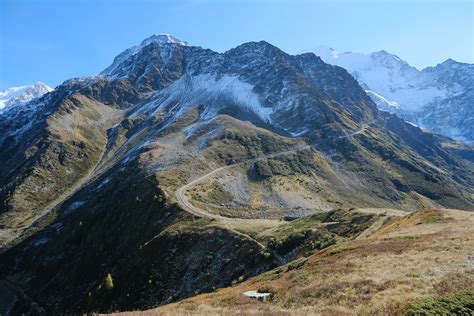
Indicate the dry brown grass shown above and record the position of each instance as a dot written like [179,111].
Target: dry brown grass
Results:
[417,218]
[380,273]
[411,258]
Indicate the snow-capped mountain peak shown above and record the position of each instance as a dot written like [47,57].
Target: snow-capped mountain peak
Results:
[163,40]
[20,95]
[437,98]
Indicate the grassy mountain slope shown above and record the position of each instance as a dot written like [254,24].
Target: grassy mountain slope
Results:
[371,168]
[154,252]
[422,255]
[45,168]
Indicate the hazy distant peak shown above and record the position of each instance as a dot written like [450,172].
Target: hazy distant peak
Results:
[22,94]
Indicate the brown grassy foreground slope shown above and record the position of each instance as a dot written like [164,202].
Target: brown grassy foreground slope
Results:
[426,254]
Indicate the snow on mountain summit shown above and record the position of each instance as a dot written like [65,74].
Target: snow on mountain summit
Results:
[163,39]
[20,95]
[9,93]
[160,39]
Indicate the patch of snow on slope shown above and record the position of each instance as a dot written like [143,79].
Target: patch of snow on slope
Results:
[104,182]
[205,90]
[20,130]
[74,206]
[412,124]
[300,133]
[40,242]
[163,38]
[382,103]
[191,130]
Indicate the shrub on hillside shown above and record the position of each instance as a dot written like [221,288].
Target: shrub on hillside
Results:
[461,303]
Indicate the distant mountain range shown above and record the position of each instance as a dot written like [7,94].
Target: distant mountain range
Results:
[172,173]
[438,98]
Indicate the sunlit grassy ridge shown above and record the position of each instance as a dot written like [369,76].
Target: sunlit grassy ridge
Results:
[416,263]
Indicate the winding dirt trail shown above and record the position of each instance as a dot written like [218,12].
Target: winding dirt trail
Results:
[189,207]
[181,192]
[229,222]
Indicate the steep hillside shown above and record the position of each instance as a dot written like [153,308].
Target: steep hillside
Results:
[48,151]
[122,225]
[145,244]
[416,264]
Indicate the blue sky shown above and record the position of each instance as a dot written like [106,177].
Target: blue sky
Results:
[53,40]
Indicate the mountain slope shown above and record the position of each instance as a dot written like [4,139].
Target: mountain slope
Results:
[438,98]
[94,170]
[393,271]
[153,91]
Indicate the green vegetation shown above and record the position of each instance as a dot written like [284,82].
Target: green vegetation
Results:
[297,264]
[298,227]
[302,163]
[436,219]
[308,234]
[461,303]
[301,276]
[109,282]
[214,193]
[266,255]
[219,195]
[337,249]
[406,237]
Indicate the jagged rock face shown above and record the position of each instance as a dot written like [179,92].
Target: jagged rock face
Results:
[154,67]
[295,94]
[438,98]
[454,115]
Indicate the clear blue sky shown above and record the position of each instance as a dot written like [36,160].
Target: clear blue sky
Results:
[53,40]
